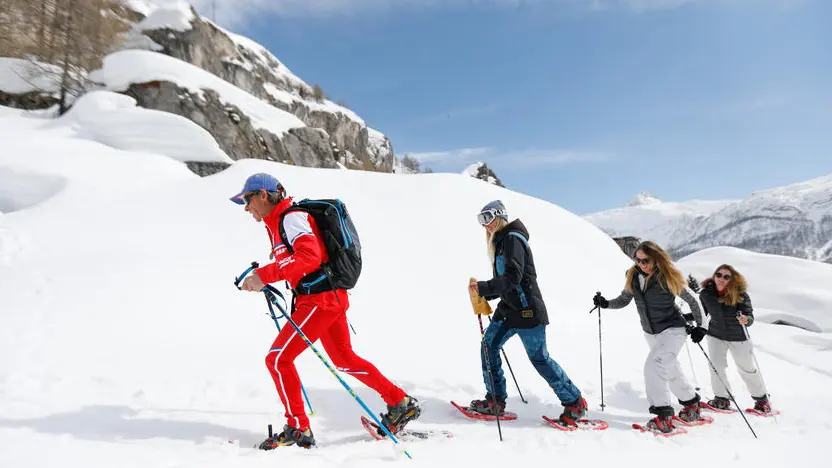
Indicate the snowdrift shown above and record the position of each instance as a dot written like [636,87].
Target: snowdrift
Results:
[791,290]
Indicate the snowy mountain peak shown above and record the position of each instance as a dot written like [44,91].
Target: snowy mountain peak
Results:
[643,198]
[794,220]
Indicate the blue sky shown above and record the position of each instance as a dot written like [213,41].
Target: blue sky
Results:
[580,102]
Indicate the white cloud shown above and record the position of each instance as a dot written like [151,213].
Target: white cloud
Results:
[236,12]
[455,154]
[552,157]
[522,157]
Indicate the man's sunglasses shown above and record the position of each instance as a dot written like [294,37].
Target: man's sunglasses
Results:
[487,216]
[726,276]
[642,261]
[247,197]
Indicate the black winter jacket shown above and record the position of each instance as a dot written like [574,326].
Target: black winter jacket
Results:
[724,324]
[515,280]
[656,305]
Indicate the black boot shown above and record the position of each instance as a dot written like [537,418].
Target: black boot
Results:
[398,416]
[690,412]
[486,406]
[289,436]
[663,422]
[720,403]
[573,412]
[761,404]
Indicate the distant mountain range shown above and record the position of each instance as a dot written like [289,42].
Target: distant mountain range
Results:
[794,220]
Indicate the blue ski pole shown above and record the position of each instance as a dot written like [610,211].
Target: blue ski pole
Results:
[269,299]
[333,371]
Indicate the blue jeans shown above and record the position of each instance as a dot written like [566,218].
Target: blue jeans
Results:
[534,340]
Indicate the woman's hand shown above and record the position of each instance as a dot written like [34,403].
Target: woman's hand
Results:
[472,286]
[742,319]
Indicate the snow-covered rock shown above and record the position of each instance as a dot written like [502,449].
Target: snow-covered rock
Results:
[176,30]
[480,170]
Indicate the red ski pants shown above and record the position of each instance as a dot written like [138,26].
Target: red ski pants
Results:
[321,316]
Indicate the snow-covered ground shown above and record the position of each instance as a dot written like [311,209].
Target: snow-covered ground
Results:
[19,76]
[123,341]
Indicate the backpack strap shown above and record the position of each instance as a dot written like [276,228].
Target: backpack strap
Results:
[319,280]
[281,231]
[519,236]
[523,301]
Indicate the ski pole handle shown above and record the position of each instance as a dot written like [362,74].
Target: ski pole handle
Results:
[597,294]
[239,279]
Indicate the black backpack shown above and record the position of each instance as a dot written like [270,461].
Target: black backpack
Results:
[342,245]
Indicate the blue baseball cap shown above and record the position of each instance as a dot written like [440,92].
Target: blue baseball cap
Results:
[256,182]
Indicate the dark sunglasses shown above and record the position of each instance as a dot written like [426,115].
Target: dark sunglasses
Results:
[726,277]
[642,261]
[247,197]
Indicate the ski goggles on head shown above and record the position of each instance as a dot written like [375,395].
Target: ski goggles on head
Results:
[487,216]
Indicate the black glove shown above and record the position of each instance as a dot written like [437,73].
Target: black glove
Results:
[599,301]
[697,333]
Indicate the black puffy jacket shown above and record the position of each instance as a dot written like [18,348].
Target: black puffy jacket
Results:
[724,324]
[656,306]
[515,280]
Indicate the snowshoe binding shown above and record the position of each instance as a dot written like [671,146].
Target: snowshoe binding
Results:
[661,424]
[289,436]
[762,407]
[691,410]
[398,416]
[573,412]
[720,403]
[486,406]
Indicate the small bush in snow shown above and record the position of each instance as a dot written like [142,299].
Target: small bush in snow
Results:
[318,92]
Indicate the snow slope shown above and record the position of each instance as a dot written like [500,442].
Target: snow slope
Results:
[124,343]
[789,289]
[783,290]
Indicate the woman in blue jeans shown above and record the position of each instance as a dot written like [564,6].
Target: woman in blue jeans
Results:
[521,312]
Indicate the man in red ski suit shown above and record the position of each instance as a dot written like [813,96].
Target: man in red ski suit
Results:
[320,315]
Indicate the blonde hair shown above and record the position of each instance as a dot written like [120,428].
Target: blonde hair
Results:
[735,289]
[489,238]
[668,275]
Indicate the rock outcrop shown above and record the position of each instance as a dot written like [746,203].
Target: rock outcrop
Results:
[332,129]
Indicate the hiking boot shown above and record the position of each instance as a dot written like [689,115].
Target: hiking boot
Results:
[289,436]
[573,412]
[486,406]
[398,416]
[663,424]
[761,404]
[721,403]
[690,412]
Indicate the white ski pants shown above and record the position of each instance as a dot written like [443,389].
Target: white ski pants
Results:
[662,369]
[742,352]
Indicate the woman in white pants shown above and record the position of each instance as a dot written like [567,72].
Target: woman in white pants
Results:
[654,282]
[725,299]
